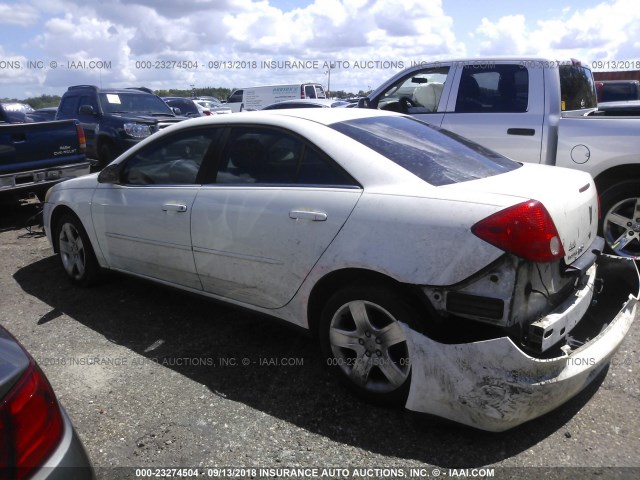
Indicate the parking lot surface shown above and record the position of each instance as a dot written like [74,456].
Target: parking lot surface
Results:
[152,377]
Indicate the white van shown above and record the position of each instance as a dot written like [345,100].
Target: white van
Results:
[256,98]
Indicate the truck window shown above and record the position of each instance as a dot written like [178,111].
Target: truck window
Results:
[68,107]
[235,97]
[577,88]
[422,89]
[493,88]
[309,91]
[88,100]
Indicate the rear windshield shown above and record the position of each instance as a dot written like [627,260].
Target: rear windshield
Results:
[437,156]
[577,88]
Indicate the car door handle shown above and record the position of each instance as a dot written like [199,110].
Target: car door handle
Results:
[526,132]
[174,207]
[308,215]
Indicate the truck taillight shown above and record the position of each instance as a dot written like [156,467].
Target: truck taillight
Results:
[302,92]
[31,424]
[526,230]
[82,140]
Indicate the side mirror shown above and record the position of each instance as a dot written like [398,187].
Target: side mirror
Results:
[86,110]
[364,102]
[177,111]
[110,174]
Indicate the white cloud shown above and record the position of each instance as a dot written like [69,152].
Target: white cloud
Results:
[127,33]
[607,31]
[24,15]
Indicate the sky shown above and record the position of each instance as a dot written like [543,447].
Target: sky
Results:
[351,45]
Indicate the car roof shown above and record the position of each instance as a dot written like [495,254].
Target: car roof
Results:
[80,88]
[324,116]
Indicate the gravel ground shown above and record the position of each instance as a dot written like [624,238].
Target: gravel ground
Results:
[152,377]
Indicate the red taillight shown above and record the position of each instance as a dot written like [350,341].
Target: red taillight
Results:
[302,92]
[31,424]
[525,229]
[82,140]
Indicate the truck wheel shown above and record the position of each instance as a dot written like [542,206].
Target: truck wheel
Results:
[620,227]
[365,345]
[75,251]
[106,155]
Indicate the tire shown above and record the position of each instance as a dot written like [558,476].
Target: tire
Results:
[76,254]
[364,344]
[620,226]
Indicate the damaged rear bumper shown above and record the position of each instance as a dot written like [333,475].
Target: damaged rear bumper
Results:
[493,385]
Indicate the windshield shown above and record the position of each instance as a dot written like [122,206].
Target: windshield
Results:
[133,103]
[437,156]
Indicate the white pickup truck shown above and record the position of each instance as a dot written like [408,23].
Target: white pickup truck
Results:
[531,110]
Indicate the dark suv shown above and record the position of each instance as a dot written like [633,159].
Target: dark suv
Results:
[114,119]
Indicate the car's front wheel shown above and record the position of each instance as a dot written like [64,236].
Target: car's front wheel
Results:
[76,254]
[365,344]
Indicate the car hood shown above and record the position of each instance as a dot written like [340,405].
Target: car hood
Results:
[569,196]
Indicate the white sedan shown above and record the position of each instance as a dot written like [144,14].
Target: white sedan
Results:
[436,274]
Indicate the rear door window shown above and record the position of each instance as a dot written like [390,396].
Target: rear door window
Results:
[266,156]
[493,88]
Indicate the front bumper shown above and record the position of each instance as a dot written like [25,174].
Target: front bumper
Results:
[493,385]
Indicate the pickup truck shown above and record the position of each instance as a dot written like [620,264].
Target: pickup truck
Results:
[114,119]
[33,156]
[531,110]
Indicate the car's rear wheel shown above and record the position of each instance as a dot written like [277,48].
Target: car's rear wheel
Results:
[621,219]
[76,254]
[365,344]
